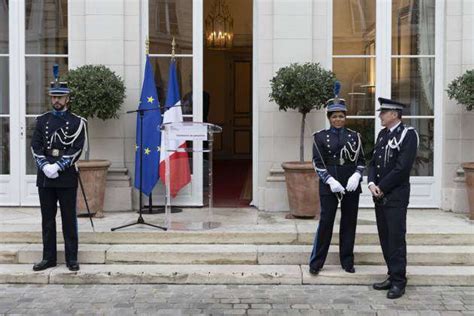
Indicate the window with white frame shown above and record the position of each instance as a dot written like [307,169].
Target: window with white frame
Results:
[4,89]
[46,44]
[356,34]
[168,19]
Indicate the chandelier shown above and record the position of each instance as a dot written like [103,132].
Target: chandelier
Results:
[219,26]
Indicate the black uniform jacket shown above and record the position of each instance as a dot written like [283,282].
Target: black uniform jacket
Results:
[331,147]
[391,165]
[58,139]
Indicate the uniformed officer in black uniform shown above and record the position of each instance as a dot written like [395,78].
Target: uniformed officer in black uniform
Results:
[339,161]
[389,175]
[57,143]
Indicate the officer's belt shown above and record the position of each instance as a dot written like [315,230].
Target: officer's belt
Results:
[54,152]
[337,162]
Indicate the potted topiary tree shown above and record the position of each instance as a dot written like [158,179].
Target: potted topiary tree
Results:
[302,87]
[462,90]
[96,92]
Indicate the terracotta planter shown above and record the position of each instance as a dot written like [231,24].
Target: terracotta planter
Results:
[303,189]
[469,173]
[94,175]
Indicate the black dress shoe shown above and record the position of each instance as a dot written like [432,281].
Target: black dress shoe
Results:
[395,292]
[385,285]
[313,271]
[43,265]
[349,269]
[73,266]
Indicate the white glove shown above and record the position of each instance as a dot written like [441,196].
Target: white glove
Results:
[51,170]
[335,185]
[353,182]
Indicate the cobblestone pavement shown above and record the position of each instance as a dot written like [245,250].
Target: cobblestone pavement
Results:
[231,300]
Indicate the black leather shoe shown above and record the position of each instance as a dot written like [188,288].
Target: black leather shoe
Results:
[385,285]
[73,266]
[395,292]
[313,271]
[43,265]
[349,269]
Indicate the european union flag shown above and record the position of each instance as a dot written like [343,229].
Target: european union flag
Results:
[151,133]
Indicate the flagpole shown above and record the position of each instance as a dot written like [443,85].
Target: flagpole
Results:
[173,48]
[153,209]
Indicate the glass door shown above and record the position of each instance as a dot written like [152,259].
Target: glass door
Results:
[9,128]
[43,35]
[182,20]
[391,49]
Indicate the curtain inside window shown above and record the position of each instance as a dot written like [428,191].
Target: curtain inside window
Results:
[426,46]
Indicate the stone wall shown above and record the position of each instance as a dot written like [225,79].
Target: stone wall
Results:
[107,32]
[458,128]
[286,32]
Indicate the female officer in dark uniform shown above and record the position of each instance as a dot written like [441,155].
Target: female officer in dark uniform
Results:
[339,161]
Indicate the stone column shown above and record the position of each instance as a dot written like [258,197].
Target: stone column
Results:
[458,135]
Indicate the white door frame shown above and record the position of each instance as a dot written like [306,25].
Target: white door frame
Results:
[19,188]
[193,195]
[29,195]
[29,192]
[425,191]
[255,109]
[10,183]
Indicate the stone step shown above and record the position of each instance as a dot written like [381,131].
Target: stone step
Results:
[434,255]
[233,254]
[228,274]
[300,233]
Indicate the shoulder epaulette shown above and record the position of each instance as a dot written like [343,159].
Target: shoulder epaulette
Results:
[43,114]
[318,131]
[79,117]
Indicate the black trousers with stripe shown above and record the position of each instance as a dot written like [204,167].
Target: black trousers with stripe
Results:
[347,230]
[49,198]
[392,227]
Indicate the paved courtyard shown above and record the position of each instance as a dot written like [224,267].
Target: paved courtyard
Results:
[231,300]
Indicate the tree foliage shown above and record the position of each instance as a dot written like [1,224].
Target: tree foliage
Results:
[302,87]
[96,91]
[462,89]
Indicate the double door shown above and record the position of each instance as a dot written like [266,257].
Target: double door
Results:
[33,37]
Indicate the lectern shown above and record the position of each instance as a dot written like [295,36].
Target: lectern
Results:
[199,134]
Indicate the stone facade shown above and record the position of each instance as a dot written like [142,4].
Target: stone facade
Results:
[286,32]
[458,138]
[108,32]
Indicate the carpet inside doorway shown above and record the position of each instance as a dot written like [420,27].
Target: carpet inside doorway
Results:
[232,183]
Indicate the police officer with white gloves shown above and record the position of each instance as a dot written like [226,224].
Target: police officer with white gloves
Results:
[339,161]
[57,143]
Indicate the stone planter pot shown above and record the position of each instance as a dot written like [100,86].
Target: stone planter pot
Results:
[94,175]
[469,173]
[302,185]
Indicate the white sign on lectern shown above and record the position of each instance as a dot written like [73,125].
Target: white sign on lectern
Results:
[187,132]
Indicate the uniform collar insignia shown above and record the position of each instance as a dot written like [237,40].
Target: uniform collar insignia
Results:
[336,130]
[59,113]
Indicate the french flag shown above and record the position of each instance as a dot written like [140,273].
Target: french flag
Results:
[180,174]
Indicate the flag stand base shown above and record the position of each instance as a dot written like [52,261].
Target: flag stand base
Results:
[155,209]
[140,220]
